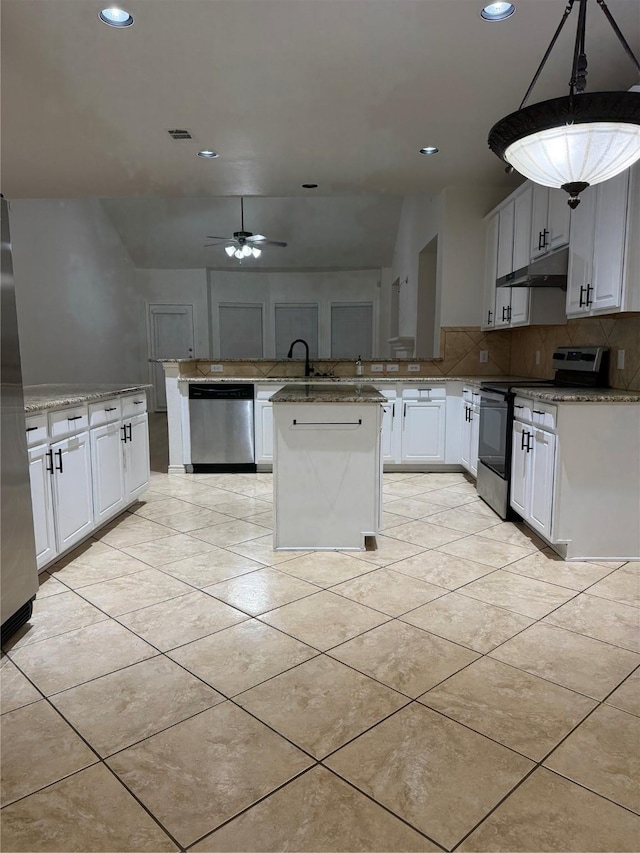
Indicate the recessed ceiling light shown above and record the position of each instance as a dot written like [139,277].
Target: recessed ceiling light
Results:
[115,17]
[497,11]
[309,186]
[208,153]
[429,149]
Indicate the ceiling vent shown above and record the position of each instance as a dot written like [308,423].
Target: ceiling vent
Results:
[180,133]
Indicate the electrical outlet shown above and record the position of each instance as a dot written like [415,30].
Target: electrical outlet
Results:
[484,356]
[216,368]
[620,359]
[377,368]
[392,368]
[413,368]
[538,354]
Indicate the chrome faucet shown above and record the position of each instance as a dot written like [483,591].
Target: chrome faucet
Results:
[307,366]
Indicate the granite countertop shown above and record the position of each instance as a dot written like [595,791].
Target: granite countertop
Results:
[40,398]
[383,379]
[312,393]
[579,395]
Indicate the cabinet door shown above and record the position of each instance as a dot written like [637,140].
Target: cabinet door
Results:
[519,307]
[465,438]
[503,306]
[474,439]
[136,457]
[542,481]
[72,493]
[522,228]
[558,220]
[490,272]
[264,431]
[389,432]
[583,223]
[42,503]
[423,432]
[107,464]
[540,210]
[520,468]
[609,243]
[505,240]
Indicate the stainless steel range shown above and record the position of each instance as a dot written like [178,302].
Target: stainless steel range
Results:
[586,366]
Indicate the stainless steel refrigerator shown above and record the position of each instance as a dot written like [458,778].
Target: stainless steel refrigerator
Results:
[19,575]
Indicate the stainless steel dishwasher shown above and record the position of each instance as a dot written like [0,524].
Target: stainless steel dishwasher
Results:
[222,438]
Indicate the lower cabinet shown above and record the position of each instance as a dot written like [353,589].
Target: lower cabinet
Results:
[423,430]
[469,437]
[263,425]
[85,479]
[532,475]
[390,432]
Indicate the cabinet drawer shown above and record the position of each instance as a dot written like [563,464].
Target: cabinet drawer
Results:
[68,421]
[425,393]
[134,404]
[104,412]
[523,409]
[37,431]
[544,415]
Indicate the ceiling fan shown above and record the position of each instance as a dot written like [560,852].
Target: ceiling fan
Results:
[243,244]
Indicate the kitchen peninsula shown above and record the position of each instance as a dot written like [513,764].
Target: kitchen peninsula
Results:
[327,466]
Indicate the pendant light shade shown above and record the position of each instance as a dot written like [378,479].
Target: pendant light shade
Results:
[575,141]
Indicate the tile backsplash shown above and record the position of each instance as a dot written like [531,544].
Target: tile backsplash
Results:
[618,333]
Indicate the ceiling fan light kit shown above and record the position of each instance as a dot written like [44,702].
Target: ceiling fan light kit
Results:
[578,140]
[243,244]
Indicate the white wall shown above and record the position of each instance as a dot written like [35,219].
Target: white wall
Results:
[322,287]
[179,287]
[80,317]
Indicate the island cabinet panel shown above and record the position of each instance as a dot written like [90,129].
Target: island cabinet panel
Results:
[327,474]
[108,470]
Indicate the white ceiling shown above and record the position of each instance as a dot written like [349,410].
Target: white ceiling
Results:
[342,93]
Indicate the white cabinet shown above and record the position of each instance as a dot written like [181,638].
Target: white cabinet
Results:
[107,457]
[505,239]
[390,432]
[72,493]
[87,476]
[550,221]
[423,425]
[603,268]
[136,457]
[470,431]
[532,475]
[40,468]
[490,271]
[263,423]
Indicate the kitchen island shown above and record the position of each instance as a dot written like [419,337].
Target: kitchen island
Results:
[327,466]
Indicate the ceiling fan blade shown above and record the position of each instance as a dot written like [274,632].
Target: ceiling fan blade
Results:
[213,237]
[273,243]
[256,238]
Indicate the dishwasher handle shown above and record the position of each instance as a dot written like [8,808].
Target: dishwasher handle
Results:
[221,391]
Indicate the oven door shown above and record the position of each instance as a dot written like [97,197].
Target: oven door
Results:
[495,431]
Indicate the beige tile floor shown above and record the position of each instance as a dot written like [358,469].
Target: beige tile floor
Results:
[182,686]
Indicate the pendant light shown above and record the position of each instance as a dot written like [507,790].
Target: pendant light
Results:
[578,140]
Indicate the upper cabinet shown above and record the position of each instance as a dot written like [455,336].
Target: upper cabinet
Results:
[550,221]
[508,248]
[604,253]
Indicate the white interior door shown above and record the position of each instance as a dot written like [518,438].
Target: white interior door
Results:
[171,336]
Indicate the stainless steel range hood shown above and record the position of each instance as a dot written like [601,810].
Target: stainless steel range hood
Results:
[548,271]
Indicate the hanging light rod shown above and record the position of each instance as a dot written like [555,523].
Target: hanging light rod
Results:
[580,139]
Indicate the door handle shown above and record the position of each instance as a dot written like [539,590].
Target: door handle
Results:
[130,438]
[489,316]
[524,441]
[544,239]
[49,462]
[123,429]
[581,303]
[509,313]
[504,319]
[529,446]
[404,413]
[589,301]
[393,410]
[59,455]
[539,240]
